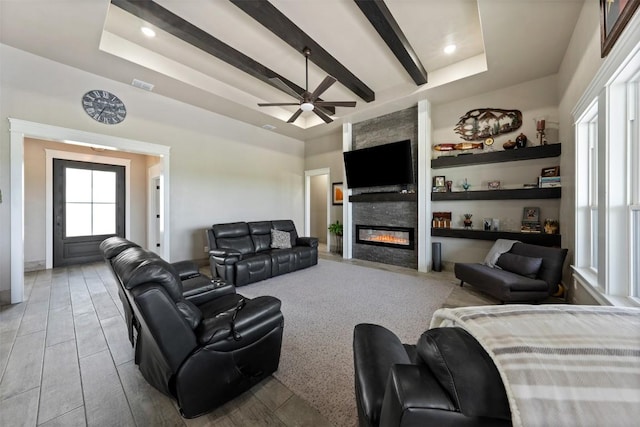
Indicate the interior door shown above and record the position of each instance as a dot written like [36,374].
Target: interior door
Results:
[88,207]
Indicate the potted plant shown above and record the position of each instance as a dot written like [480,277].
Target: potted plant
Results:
[336,229]
[467,220]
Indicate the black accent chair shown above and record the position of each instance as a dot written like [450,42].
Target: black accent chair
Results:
[447,379]
[246,252]
[201,354]
[526,273]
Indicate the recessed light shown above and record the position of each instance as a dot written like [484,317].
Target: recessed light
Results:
[450,49]
[148,31]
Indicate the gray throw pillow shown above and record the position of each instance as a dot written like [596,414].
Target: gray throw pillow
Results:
[280,239]
[523,265]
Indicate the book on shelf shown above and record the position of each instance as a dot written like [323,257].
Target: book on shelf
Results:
[549,181]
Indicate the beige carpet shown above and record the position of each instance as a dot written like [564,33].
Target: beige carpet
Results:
[322,304]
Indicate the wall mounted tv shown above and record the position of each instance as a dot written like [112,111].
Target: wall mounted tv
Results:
[388,164]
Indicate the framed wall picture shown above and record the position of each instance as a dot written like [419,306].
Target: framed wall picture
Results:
[438,181]
[614,16]
[552,171]
[531,214]
[337,193]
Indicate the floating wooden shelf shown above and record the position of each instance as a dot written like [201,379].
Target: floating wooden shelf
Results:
[519,193]
[383,197]
[538,152]
[533,238]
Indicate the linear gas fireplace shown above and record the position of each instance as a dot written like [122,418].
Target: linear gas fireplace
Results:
[378,235]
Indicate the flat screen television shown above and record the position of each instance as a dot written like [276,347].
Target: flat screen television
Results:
[388,164]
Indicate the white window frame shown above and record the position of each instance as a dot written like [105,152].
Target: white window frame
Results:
[608,251]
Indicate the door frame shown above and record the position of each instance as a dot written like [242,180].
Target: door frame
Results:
[21,129]
[307,200]
[90,158]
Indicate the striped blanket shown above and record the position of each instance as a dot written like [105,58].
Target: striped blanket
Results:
[562,365]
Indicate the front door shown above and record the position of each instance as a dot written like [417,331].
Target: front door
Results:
[88,207]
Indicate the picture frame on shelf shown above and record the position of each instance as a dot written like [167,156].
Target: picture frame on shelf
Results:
[337,193]
[531,214]
[493,185]
[552,171]
[614,17]
[438,181]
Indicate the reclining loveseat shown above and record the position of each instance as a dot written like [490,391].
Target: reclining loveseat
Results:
[524,273]
[447,379]
[246,252]
[201,347]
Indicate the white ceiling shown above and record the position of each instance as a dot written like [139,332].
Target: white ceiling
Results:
[500,43]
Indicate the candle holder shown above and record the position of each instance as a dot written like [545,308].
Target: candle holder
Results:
[540,126]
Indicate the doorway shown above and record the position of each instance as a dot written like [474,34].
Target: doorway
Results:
[88,207]
[318,206]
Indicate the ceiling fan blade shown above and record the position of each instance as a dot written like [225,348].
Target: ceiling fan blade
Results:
[324,85]
[335,103]
[283,86]
[322,109]
[277,104]
[295,116]
[322,115]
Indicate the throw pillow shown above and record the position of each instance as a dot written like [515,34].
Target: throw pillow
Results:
[280,239]
[523,265]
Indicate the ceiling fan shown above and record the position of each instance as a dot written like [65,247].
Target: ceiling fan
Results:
[309,101]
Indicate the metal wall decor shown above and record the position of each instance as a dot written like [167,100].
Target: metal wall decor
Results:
[483,123]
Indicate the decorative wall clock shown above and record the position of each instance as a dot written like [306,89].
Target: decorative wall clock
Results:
[104,107]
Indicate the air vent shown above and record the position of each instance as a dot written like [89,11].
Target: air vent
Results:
[142,85]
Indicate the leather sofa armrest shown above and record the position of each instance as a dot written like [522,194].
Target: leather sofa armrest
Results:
[186,269]
[200,292]
[413,396]
[225,256]
[307,241]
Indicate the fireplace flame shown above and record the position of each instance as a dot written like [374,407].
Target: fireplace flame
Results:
[388,238]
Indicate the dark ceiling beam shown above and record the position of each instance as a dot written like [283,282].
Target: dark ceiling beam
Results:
[276,22]
[382,20]
[162,18]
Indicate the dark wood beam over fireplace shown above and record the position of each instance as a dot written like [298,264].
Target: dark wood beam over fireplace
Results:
[383,21]
[276,22]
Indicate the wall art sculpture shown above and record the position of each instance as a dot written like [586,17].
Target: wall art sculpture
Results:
[484,123]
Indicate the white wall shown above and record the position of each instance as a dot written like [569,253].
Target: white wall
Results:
[221,169]
[35,186]
[326,152]
[534,99]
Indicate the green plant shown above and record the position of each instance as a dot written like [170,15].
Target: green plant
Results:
[467,216]
[336,228]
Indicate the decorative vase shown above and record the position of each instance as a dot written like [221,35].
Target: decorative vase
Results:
[521,141]
[467,223]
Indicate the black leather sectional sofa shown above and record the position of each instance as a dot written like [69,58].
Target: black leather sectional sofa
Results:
[246,252]
[201,346]
[447,379]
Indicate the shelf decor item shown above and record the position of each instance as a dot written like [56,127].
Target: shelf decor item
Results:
[551,226]
[531,214]
[540,126]
[467,220]
[459,146]
[552,171]
[438,181]
[614,16]
[466,185]
[493,185]
[482,123]
[521,140]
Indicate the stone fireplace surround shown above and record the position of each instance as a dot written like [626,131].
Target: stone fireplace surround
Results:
[394,211]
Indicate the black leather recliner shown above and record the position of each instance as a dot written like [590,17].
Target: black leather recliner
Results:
[447,379]
[201,354]
[243,252]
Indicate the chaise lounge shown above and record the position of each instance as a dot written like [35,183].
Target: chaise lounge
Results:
[520,272]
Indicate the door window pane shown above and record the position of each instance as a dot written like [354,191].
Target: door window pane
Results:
[104,187]
[104,219]
[78,185]
[78,219]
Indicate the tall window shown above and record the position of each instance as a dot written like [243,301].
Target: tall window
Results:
[608,187]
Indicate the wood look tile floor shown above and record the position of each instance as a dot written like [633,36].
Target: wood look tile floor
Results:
[65,360]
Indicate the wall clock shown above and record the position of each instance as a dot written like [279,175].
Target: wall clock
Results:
[104,107]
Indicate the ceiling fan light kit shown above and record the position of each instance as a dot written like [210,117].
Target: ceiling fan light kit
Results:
[309,101]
